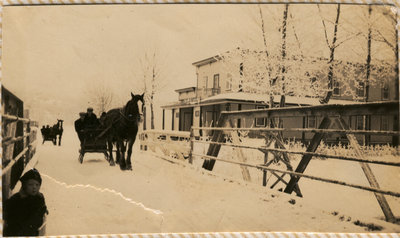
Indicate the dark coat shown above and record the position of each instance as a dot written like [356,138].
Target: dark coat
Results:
[23,216]
[79,126]
[91,121]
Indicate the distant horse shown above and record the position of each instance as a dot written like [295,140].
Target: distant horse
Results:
[122,126]
[57,129]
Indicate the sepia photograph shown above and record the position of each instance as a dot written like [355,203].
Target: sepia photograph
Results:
[193,118]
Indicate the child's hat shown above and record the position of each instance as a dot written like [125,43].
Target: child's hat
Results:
[31,174]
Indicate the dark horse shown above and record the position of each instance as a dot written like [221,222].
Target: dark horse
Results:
[51,133]
[122,126]
[58,130]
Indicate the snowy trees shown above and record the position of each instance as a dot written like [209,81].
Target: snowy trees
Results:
[288,71]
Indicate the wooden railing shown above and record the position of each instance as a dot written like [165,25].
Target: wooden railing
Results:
[170,143]
[275,149]
[19,146]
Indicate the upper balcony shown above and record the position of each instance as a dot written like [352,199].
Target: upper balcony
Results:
[207,92]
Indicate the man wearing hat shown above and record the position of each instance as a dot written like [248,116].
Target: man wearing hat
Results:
[24,211]
[91,120]
[79,125]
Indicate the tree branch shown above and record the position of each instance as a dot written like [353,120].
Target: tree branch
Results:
[323,23]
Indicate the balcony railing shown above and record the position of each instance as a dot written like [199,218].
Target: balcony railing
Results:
[208,92]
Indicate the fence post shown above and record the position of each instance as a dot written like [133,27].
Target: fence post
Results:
[368,173]
[213,149]
[312,147]
[239,152]
[191,145]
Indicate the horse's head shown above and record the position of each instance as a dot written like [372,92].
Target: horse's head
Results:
[134,107]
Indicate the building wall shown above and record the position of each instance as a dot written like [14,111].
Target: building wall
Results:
[205,77]
[187,95]
[176,120]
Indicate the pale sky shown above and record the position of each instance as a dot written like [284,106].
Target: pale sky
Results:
[51,54]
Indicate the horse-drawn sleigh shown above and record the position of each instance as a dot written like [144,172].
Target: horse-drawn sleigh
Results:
[51,133]
[92,143]
[118,127]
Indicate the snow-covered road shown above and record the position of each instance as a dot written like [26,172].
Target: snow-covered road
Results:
[159,196]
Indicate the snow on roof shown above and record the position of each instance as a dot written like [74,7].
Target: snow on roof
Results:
[241,96]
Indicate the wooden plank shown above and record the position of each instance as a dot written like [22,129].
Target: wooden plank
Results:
[371,189]
[327,110]
[369,174]
[312,147]
[279,179]
[306,130]
[191,146]
[213,150]
[14,118]
[313,154]
[269,141]
[240,155]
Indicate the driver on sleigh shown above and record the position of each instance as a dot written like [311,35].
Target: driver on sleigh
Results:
[91,121]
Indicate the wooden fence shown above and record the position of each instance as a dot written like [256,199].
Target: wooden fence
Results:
[18,142]
[170,143]
[275,149]
[19,146]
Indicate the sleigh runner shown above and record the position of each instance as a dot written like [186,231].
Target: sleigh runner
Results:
[93,142]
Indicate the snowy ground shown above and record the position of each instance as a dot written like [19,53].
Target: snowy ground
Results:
[159,196]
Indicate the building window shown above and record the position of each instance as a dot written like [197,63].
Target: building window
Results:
[177,115]
[384,123]
[260,122]
[229,82]
[385,91]
[360,89]
[205,79]
[216,81]
[359,123]
[311,122]
[336,87]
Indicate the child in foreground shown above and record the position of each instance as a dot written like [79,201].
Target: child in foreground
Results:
[24,211]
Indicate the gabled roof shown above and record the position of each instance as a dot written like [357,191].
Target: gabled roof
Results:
[207,61]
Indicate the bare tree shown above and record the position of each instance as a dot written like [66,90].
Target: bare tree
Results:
[332,46]
[100,97]
[151,73]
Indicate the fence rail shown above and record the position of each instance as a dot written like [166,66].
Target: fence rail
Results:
[263,167]
[327,156]
[19,145]
[330,114]
[308,130]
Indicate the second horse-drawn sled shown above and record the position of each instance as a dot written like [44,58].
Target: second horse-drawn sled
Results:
[51,133]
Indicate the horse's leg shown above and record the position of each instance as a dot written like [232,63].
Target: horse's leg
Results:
[128,157]
[59,139]
[117,155]
[110,149]
[122,148]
